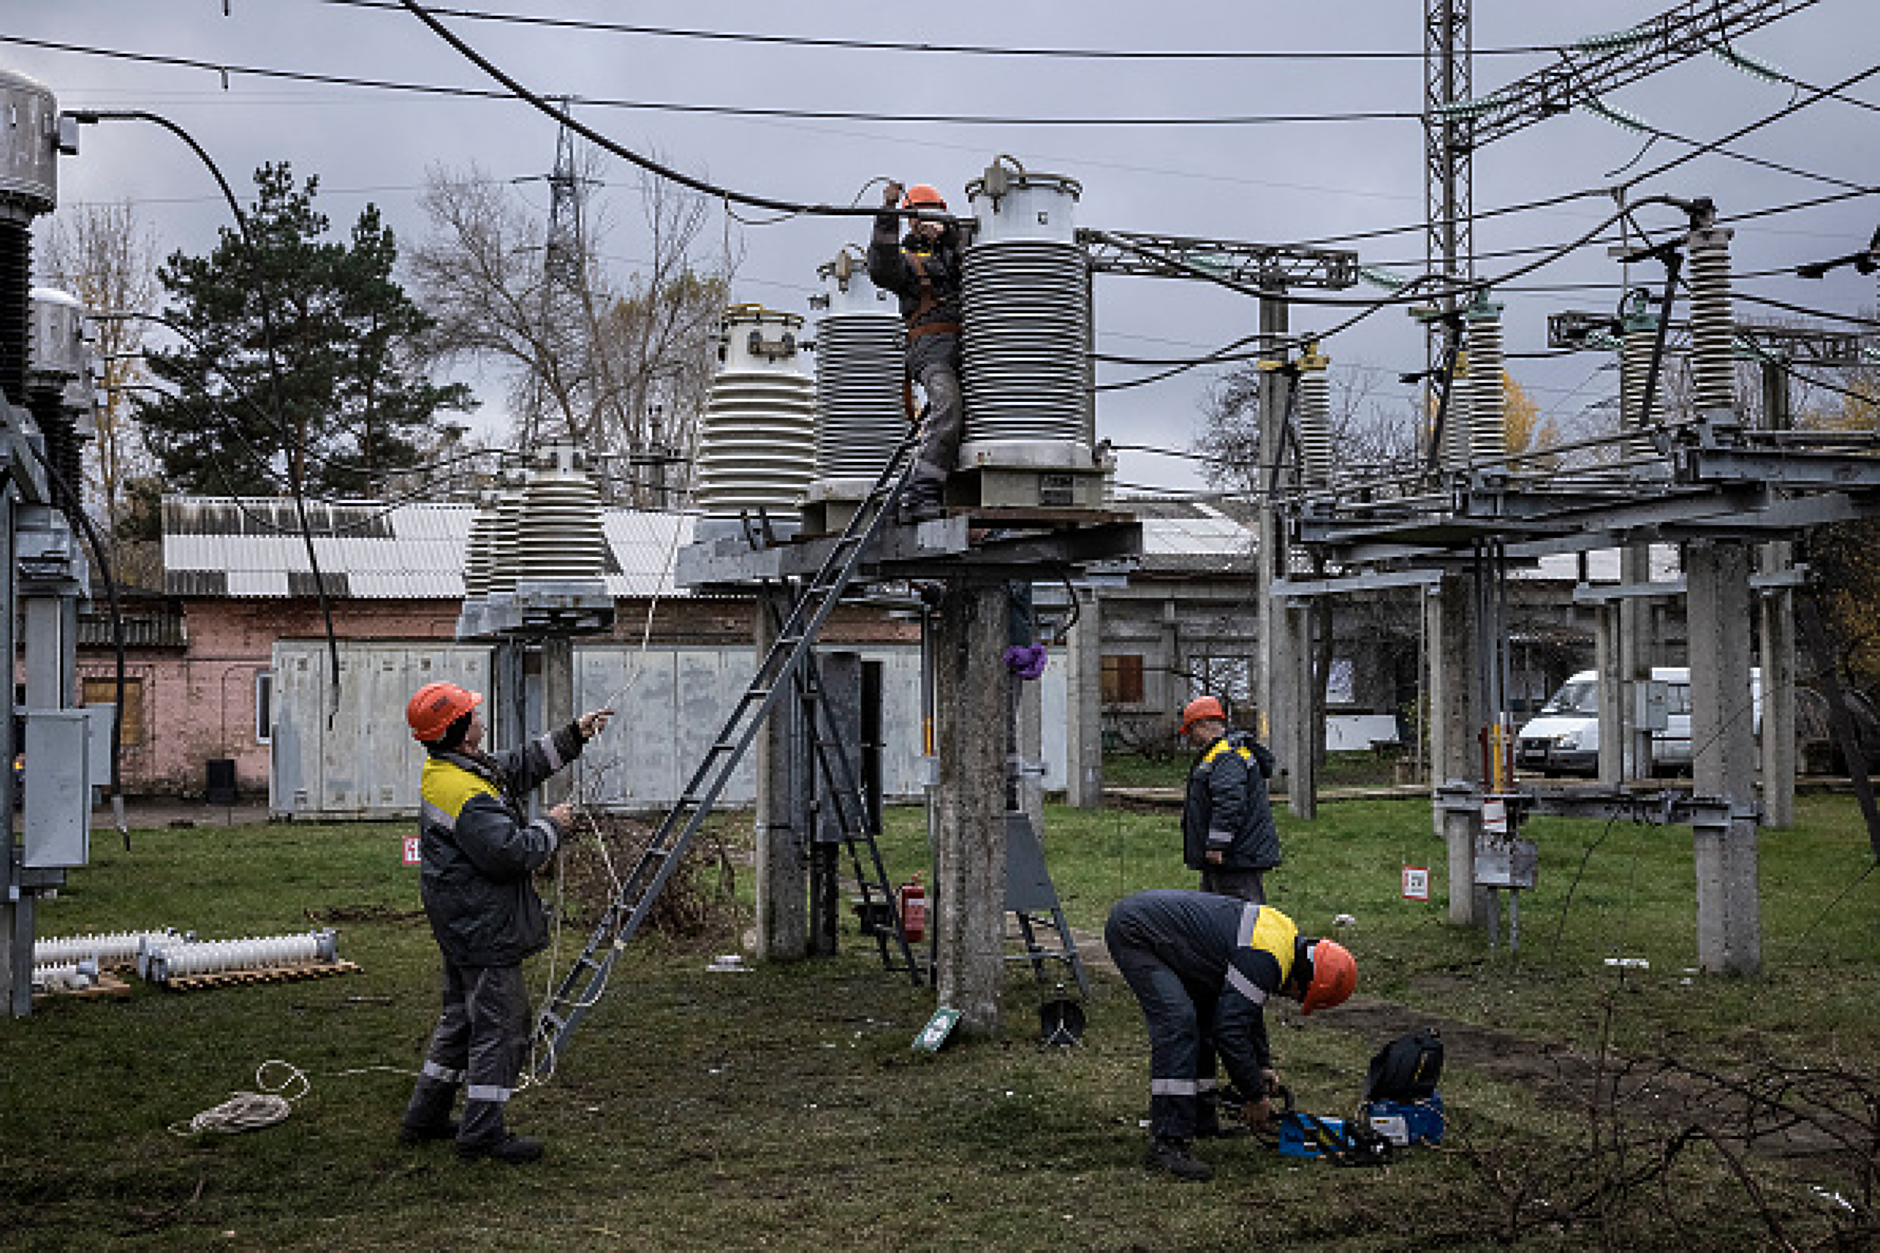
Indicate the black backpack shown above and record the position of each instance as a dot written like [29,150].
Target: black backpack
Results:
[1406,1069]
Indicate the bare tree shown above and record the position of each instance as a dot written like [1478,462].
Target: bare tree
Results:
[620,365]
[106,256]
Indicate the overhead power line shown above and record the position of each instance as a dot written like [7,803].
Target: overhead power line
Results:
[227,71]
[986,50]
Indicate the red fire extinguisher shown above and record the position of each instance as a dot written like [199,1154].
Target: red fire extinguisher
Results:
[914,910]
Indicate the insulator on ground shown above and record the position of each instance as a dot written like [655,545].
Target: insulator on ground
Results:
[1026,294]
[757,436]
[559,536]
[177,960]
[1488,399]
[111,948]
[1713,325]
[861,353]
[1314,416]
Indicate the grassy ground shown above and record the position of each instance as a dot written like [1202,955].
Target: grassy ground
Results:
[783,1107]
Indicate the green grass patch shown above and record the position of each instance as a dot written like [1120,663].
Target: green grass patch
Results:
[784,1108]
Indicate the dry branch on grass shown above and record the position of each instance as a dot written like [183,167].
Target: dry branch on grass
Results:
[700,898]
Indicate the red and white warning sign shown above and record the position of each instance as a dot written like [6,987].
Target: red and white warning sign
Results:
[1416,883]
[412,857]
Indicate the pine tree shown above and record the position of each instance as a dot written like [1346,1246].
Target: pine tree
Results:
[339,407]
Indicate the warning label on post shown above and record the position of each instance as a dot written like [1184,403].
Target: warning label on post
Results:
[1416,883]
[412,857]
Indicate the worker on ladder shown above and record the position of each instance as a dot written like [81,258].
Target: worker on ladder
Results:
[479,850]
[923,269]
[1228,832]
[1202,966]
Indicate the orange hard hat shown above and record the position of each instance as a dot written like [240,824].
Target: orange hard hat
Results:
[1334,975]
[435,706]
[1202,707]
[921,195]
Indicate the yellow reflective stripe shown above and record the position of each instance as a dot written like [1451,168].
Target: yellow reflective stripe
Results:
[450,787]
[1274,933]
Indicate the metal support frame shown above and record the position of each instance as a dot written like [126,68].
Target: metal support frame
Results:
[1257,265]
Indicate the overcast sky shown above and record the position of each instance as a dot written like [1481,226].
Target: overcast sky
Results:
[1195,175]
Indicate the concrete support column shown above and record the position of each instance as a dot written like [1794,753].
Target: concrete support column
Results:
[1171,684]
[1299,739]
[1777,624]
[1729,922]
[1455,750]
[1612,693]
[16,915]
[1275,665]
[1635,659]
[1083,750]
[782,835]
[970,632]
[557,708]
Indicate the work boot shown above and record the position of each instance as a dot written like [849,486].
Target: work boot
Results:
[418,1133]
[1171,1155]
[512,1148]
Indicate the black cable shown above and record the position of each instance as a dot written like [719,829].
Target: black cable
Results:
[1804,309]
[263,303]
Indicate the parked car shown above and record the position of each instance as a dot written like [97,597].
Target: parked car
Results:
[1564,738]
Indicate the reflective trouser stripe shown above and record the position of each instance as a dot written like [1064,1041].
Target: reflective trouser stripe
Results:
[1206,1087]
[443,1074]
[486,1092]
[1171,1087]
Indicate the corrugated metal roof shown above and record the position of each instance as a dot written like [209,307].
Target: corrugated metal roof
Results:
[216,546]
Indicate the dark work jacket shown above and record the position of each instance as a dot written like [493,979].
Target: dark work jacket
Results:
[926,276]
[1227,809]
[479,850]
[1235,953]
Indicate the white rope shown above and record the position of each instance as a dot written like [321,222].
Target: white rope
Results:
[251,1111]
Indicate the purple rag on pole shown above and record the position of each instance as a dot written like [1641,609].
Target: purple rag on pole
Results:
[1025,660]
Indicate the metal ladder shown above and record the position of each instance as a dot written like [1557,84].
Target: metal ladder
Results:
[776,676]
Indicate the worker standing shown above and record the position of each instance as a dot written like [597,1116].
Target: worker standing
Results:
[1228,832]
[923,269]
[1202,967]
[479,850]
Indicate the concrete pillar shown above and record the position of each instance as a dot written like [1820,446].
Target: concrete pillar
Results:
[557,708]
[970,632]
[1729,924]
[1778,691]
[1635,658]
[1455,749]
[1171,684]
[782,838]
[16,915]
[1083,750]
[1612,694]
[1275,665]
[1301,736]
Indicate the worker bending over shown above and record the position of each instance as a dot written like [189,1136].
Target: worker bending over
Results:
[1227,822]
[1202,967]
[479,850]
[923,269]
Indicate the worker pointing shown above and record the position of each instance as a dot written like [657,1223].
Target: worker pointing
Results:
[479,850]
[1203,967]
[923,269]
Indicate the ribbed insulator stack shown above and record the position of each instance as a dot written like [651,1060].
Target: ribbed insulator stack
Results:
[757,436]
[70,976]
[28,187]
[111,948]
[1314,415]
[1636,346]
[160,963]
[1454,450]
[1488,399]
[861,350]
[1713,324]
[505,536]
[479,558]
[559,534]
[1026,295]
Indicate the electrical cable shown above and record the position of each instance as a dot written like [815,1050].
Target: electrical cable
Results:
[803,41]
[1804,309]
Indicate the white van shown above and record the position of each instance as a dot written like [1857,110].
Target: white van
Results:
[1564,739]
